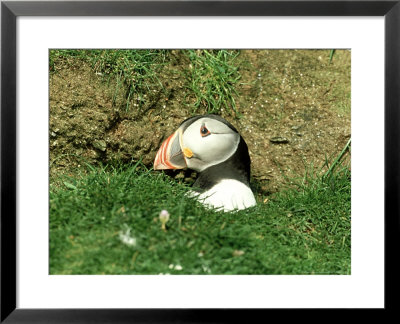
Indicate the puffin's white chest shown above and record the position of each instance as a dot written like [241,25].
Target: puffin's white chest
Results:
[228,194]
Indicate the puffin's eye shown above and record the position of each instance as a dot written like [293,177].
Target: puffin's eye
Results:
[204,131]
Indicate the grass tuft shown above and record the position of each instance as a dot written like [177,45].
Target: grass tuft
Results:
[212,81]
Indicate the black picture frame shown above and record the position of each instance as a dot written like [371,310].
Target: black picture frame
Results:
[10,10]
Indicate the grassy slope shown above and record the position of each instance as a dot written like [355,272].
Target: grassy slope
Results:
[303,231]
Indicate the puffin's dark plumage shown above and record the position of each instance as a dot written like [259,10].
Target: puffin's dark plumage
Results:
[237,167]
[212,146]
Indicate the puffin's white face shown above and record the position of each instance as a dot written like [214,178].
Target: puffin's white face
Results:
[199,145]
[208,142]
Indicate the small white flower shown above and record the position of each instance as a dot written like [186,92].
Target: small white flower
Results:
[177,267]
[126,238]
[164,217]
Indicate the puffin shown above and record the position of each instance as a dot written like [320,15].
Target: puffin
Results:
[213,147]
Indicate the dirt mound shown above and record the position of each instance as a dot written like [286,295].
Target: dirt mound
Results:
[294,111]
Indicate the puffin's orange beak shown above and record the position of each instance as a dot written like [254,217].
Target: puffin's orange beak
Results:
[170,155]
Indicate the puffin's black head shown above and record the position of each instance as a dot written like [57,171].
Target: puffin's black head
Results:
[208,144]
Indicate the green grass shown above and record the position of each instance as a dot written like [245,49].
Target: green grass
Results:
[212,80]
[298,231]
[331,53]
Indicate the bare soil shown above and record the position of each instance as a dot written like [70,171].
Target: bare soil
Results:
[294,112]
